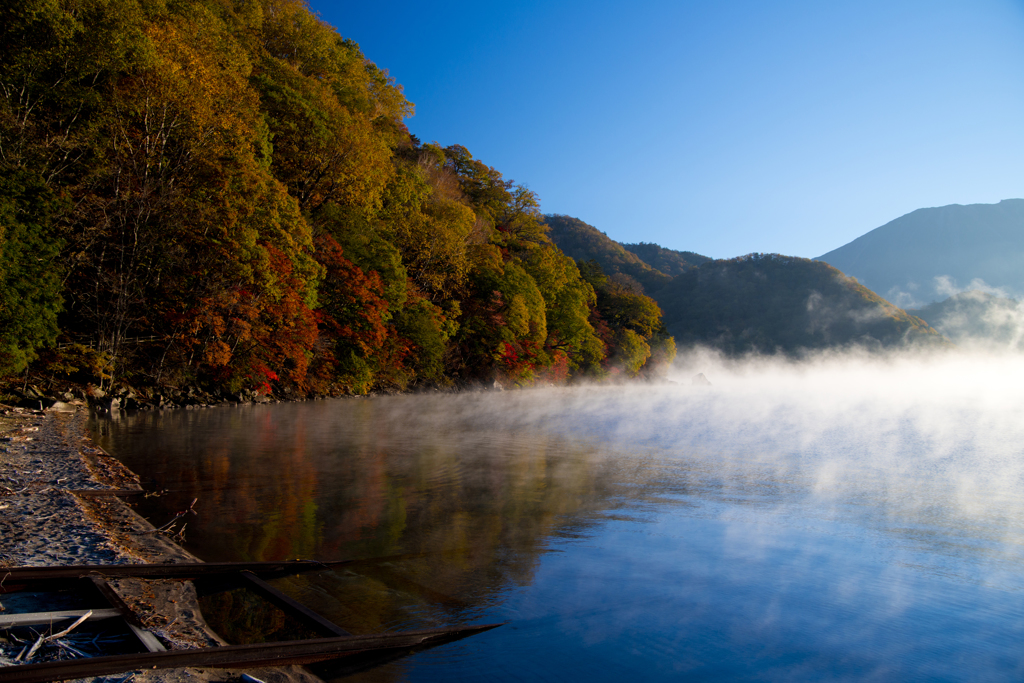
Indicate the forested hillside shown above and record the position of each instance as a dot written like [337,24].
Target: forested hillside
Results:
[224,194]
[753,304]
[668,261]
[584,242]
[767,303]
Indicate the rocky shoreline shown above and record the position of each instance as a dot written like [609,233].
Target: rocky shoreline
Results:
[46,455]
[125,397]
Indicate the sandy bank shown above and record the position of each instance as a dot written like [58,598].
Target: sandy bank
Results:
[44,456]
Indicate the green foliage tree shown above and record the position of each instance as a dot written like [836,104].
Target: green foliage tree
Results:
[427,221]
[631,351]
[427,329]
[569,299]
[29,272]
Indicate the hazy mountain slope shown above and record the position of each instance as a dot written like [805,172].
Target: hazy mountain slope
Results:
[668,261]
[927,254]
[584,242]
[977,319]
[768,303]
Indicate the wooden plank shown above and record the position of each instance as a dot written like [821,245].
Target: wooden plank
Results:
[288,604]
[39,618]
[238,656]
[116,601]
[148,640]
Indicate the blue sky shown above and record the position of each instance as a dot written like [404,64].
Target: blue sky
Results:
[718,127]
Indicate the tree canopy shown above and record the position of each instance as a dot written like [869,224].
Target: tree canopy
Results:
[225,194]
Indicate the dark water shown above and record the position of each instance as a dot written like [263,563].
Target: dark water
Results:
[747,532]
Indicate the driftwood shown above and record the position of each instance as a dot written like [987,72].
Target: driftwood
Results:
[45,639]
[169,527]
[232,656]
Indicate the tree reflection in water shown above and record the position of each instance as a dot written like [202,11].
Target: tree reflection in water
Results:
[467,506]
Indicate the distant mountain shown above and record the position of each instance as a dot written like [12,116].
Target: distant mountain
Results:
[668,261]
[584,242]
[928,254]
[762,302]
[767,303]
[977,319]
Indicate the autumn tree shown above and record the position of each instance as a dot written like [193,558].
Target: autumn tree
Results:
[226,194]
[628,321]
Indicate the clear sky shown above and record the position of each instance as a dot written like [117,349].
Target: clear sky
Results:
[721,127]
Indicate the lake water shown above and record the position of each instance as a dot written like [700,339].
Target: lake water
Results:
[840,521]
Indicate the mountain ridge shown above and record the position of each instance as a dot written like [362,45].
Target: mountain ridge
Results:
[771,303]
[930,253]
[758,303]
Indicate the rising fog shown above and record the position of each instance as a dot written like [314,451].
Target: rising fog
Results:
[904,438]
[845,517]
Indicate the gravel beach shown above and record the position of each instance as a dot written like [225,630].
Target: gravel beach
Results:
[44,458]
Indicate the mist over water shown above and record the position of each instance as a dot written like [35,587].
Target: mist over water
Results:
[843,518]
[903,427]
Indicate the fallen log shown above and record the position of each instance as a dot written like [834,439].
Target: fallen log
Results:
[238,656]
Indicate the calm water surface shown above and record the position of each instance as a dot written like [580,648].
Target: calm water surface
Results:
[756,530]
